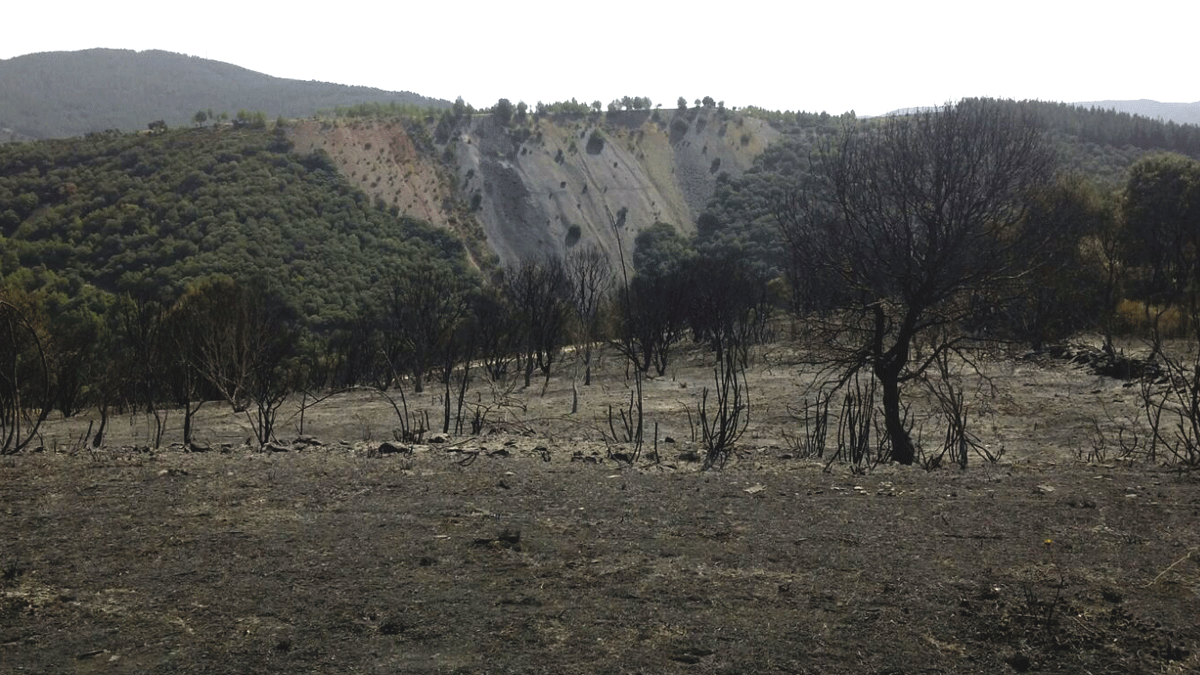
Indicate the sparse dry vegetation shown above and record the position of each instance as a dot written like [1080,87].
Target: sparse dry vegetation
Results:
[347,550]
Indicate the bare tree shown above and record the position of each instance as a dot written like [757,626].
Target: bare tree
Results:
[728,308]
[25,391]
[457,350]
[274,372]
[654,318]
[917,222]
[424,304]
[180,372]
[241,341]
[540,294]
[143,351]
[634,420]
[224,336]
[496,335]
[590,273]
[653,315]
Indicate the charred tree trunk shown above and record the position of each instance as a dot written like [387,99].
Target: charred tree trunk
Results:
[903,451]
[888,366]
[529,364]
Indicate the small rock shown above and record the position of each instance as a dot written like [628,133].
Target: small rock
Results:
[276,447]
[389,448]
[1044,489]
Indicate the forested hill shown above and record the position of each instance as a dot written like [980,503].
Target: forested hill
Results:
[1098,145]
[59,94]
[326,209]
[148,215]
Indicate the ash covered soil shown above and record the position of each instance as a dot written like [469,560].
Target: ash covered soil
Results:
[527,549]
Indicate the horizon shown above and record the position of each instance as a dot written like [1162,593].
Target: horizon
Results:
[881,58]
[664,104]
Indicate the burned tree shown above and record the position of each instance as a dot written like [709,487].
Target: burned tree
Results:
[590,273]
[423,307]
[728,309]
[25,391]
[235,340]
[143,356]
[652,309]
[224,337]
[540,294]
[916,223]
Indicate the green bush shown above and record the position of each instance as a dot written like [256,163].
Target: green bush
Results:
[595,144]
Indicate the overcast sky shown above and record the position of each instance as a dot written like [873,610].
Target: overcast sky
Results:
[868,56]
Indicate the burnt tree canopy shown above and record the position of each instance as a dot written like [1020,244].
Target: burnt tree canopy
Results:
[912,225]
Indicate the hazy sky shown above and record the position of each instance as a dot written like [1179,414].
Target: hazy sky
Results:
[867,56]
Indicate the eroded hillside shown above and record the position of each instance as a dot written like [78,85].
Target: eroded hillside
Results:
[542,185]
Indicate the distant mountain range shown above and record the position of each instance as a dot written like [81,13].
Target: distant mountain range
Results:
[57,94]
[1180,113]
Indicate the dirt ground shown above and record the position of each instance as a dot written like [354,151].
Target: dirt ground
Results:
[528,549]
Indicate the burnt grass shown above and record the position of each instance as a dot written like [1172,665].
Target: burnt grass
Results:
[550,557]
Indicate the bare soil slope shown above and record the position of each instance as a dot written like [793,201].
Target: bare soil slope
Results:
[542,186]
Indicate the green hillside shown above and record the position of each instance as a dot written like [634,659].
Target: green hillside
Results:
[148,214]
[58,94]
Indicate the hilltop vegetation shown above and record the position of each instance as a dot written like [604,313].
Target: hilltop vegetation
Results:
[58,94]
